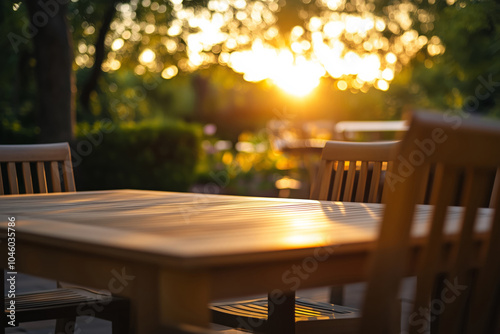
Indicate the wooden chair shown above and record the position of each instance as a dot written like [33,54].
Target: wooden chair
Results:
[458,278]
[365,164]
[63,304]
[57,156]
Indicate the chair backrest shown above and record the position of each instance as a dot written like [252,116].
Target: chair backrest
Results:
[458,277]
[364,163]
[56,156]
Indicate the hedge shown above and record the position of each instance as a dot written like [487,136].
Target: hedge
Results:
[151,155]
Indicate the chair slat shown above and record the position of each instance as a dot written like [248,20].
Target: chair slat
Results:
[349,182]
[12,175]
[316,185]
[323,179]
[445,187]
[54,173]
[496,188]
[42,180]
[69,180]
[2,191]
[363,174]
[425,181]
[374,186]
[482,316]
[390,167]
[435,184]
[337,183]
[28,183]
[474,193]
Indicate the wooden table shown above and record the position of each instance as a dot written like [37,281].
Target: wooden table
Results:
[373,130]
[172,253]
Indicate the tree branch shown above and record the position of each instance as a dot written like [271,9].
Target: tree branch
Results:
[100,54]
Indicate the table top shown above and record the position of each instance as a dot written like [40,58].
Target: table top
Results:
[198,230]
[300,146]
[371,126]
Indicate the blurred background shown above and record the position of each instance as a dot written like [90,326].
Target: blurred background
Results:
[205,95]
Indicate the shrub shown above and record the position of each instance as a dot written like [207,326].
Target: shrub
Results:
[14,133]
[152,155]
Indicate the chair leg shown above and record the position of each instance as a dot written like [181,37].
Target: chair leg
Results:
[120,326]
[65,325]
[337,294]
[281,316]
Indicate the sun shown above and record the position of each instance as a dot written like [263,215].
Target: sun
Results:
[295,75]
[298,79]
[297,88]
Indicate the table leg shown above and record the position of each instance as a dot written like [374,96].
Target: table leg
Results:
[145,315]
[184,298]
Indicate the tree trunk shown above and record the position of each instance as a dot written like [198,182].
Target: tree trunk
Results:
[100,54]
[55,77]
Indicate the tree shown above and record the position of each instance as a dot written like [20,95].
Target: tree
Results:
[134,42]
[467,75]
[54,73]
[100,55]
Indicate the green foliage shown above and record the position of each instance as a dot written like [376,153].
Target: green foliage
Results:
[17,85]
[124,96]
[153,155]
[470,31]
[14,133]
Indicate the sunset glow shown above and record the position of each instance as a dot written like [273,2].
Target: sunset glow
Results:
[296,75]
[355,47]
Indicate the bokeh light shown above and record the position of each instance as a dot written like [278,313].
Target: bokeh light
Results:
[349,42]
